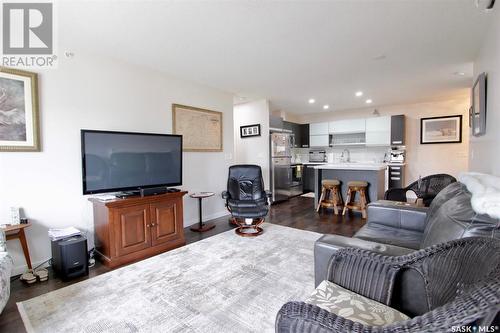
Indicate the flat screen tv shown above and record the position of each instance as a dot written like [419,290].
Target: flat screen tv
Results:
[124,161]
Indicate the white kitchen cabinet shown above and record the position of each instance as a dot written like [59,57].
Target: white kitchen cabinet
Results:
[378,131]
[318,129]
[318,140]
[347,126]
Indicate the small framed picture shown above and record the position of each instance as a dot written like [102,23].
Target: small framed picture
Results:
[250,131]
[441,129]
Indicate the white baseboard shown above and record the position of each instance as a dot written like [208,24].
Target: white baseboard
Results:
[207,217]
[23,268]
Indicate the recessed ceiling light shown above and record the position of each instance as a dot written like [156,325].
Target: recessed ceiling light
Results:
[312,101]
[459,73]
[359,93]
[326,106]
[368,101]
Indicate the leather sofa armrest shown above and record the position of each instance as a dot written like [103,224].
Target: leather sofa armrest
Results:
[396,215]
[327,245]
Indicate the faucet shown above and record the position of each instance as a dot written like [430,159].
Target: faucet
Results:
[346,155]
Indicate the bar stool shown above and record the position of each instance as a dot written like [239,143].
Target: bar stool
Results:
[330,195]
[351,203]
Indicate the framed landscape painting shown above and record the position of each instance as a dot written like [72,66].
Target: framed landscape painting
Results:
[19,121]
[441,129]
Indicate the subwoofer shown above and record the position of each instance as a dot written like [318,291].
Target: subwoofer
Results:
[70,257]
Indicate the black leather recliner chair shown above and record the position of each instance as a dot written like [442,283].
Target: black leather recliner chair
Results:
[246,198]
[426,189]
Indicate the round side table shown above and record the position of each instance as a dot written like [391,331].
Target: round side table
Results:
[202,227]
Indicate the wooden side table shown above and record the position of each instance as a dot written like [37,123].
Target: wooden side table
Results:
[17,231]
[202,227]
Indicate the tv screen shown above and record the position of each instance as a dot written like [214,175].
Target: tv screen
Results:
[118,161]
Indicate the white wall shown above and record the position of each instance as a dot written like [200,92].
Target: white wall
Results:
[95,93]
[484,156]
[253,150]
[422,160]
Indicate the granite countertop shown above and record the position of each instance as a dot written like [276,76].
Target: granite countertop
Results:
[353,166]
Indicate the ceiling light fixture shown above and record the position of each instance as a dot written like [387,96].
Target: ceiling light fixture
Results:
[312,101]
[326,106]
[359,93]
[368,101]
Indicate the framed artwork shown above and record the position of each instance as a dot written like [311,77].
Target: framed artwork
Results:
[249,131]
[201,129]
[441,129]
[19,118]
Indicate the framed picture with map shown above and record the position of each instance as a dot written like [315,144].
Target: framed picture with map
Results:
[19,124]
[201,129]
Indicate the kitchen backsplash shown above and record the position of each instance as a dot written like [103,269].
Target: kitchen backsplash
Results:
[358,154]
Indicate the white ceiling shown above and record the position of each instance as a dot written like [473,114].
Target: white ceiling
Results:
[289,51]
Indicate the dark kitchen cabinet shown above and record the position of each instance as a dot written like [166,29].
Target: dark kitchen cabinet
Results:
[298,134]
[398,130]
[287,125]
[308,178]
[304,136]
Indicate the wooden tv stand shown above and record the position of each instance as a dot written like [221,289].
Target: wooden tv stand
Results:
[132,229]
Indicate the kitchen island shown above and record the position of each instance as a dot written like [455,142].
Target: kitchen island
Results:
[373,173]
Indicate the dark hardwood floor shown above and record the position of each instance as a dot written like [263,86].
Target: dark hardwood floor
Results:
[295,213]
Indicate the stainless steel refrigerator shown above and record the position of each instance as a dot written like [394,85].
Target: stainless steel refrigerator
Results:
[281,159]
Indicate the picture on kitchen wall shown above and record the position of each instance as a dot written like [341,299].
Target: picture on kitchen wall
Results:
[19,128]
[249,131]
[441,129]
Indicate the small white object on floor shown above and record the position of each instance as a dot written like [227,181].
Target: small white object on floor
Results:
[28,277]
[308,195]
[42,274]
[485,191]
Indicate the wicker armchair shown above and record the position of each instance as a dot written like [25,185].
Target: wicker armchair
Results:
[462,287]
[429,187]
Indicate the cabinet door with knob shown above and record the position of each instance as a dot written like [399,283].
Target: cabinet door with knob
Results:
[131,229]
[164,222]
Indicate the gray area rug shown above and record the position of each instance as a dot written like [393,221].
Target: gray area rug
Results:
[224,283]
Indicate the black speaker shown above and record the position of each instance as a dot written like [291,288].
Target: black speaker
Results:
[153,191]
[70,257]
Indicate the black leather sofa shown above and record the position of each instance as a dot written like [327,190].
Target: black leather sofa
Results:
[397,230]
